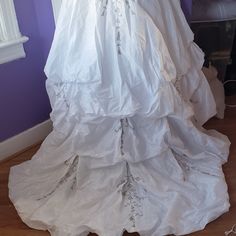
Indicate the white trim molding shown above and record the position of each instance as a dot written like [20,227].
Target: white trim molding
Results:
[11,40]
[25,139]
[56,4]
[12,50]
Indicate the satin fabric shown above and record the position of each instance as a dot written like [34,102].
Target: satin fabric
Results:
[127,151]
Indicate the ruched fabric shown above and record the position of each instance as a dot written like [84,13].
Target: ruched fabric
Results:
[127,150]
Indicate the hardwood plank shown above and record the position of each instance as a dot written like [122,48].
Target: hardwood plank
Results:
[20,152]
[22,232]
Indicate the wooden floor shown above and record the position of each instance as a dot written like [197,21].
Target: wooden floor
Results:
[11,225]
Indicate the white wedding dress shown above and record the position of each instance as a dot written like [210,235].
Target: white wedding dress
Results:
[128,151]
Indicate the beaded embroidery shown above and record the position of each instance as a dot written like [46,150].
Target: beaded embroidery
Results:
[124,123]
[133,198]
[187,166]
[117,6]
[71,171]
[132,192]
[61,92]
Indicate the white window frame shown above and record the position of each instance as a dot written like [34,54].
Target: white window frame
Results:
[56,4]
[11,43]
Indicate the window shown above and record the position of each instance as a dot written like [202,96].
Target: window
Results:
[56,8]
[11,40]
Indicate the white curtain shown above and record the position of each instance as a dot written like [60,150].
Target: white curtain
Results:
[9,29]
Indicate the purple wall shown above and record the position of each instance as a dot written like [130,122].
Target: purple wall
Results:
[23,99]
[187,8]
[45,20]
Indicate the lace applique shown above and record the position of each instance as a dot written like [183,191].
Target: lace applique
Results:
[133,194]
[71,171]
[117,7]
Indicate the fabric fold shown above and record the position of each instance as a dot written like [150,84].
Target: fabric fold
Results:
[127,151]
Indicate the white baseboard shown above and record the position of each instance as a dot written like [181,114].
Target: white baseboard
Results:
[25,139]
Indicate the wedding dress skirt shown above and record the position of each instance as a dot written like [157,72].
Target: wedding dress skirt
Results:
[128,151]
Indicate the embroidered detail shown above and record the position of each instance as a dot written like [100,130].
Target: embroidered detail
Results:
[117,6]
[122,138]
[67,162]
[74,183]
[71,171]
[124,123]
[61,92]
[177,84]
[187,166]
[133,195]
[128,187]
[104,6]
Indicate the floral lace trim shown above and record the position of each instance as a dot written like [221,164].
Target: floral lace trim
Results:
[71,171]
[133,198]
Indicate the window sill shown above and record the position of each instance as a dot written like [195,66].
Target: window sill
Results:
[12,50]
